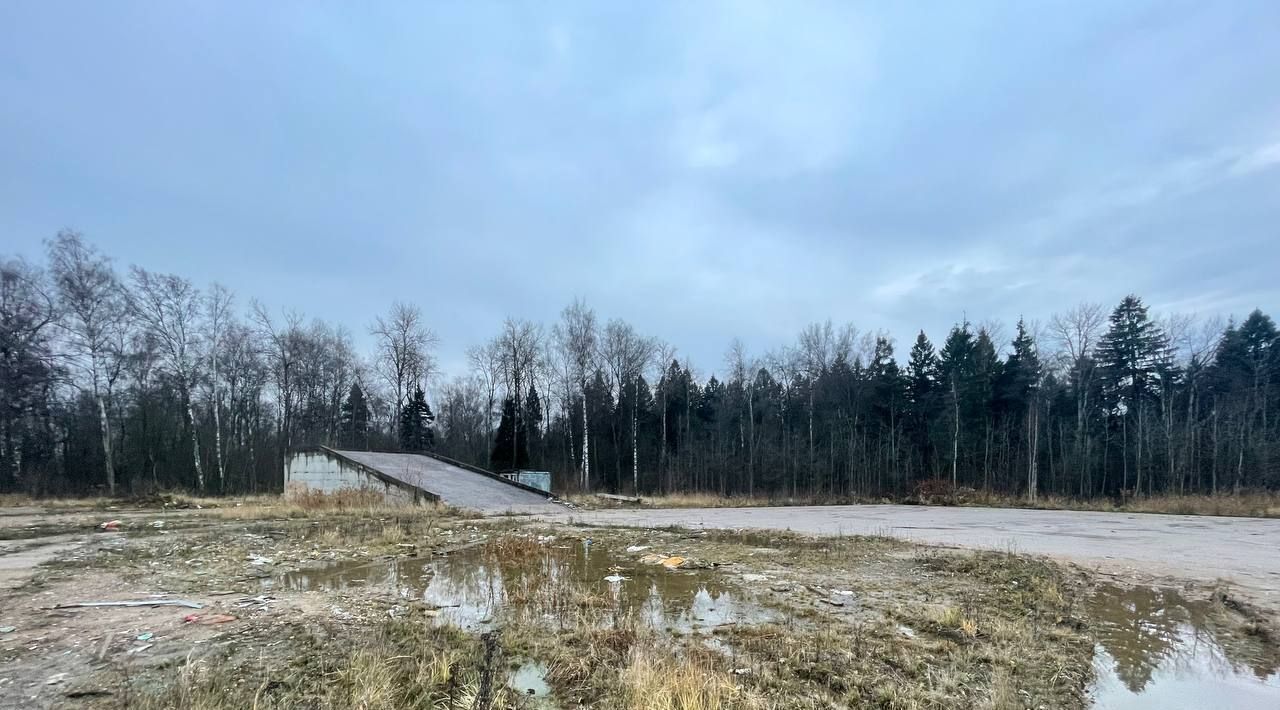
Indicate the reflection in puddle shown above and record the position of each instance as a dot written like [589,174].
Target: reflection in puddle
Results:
[530,679]
[470,586]
[1158,650]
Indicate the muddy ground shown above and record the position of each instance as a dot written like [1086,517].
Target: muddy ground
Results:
[1244,552]
[385,608]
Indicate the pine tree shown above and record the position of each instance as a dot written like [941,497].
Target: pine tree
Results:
[1131,356]
[510,445]
[980,394]
[531,425]
[888,389]
[354,422]
[956,368]
[417,422]
[922,395]
[1018,390]
[1244,377]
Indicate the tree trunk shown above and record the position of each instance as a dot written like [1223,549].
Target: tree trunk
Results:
[104,428]
[635,437]
[586,446]
[195,445]
[217,444]
[955,438]
[1033,440]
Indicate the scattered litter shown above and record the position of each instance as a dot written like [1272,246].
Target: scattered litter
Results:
[842,593]
[741,671]
[158,524]
[614,578]
[261,600]
[110,525]
[56,678]
[137,602]
[139,649]
[637,548]
[668,562]
[750,577]
[144,637]
[8,629]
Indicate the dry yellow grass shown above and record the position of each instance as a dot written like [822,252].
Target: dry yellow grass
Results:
[653,681]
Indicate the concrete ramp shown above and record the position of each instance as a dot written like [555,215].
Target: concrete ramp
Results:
[454,484]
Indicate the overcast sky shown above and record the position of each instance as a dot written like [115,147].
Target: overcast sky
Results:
[703,170]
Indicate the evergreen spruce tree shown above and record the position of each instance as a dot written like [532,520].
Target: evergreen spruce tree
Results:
[1018,390]
[922,396]
[956,368]
[510,444]
[1131,356]
[531,427]
[417,422]
[354,422]
[888,388]
[980,396]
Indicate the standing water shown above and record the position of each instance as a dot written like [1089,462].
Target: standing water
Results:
[471,587]
[1156,649]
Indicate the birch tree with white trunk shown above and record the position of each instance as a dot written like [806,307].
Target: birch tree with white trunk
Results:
[168,308]
[576,338]
[94,322]
[217,321]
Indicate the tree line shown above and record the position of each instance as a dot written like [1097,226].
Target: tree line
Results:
[128,382]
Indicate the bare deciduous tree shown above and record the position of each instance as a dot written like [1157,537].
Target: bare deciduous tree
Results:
[405,359]
[168,307]
[1076,333]
[94,311]
[576,338]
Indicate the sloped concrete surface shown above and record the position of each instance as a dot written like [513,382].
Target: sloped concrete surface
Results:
[456,486]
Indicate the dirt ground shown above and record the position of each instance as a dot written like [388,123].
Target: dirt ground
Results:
[1244,552]
[387,608]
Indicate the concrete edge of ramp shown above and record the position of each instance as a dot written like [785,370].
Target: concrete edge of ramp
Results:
[453,483]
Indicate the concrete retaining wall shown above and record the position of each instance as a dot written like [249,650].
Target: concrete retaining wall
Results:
[320,471]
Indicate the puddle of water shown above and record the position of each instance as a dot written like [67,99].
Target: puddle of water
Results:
[471,587]
[1156,649]
[530,679]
